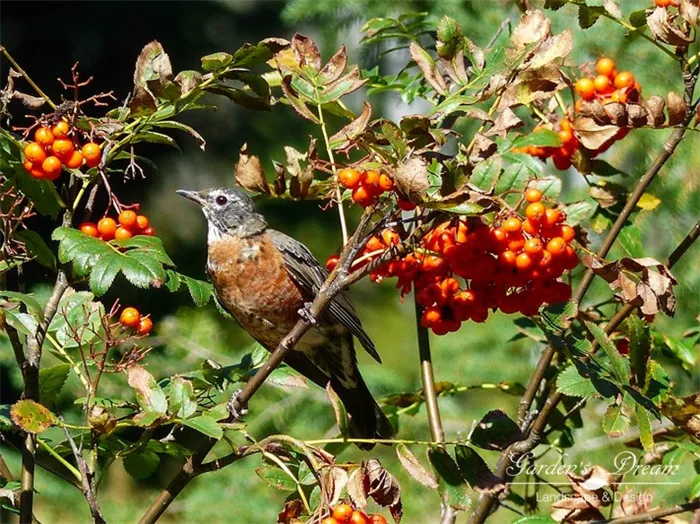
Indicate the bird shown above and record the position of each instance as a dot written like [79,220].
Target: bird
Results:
[264,279]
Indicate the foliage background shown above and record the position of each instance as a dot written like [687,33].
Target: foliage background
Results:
[47,38]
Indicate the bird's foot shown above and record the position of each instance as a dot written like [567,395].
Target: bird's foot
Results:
[306,314]
[236,407]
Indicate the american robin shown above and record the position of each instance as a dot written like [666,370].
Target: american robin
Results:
[264,278]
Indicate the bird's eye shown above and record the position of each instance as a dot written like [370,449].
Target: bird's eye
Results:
[221,200]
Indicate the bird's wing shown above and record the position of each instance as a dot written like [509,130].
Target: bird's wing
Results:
[309,275]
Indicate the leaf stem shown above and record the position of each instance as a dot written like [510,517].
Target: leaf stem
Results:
[59,458]
[24,74]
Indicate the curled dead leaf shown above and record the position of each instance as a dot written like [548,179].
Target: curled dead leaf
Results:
[306,52]
[617,113]
[655,104]
[637,115]
[677,109]
[352,130]
[335,66]
[595,110]
[427,65]
[411,179]
[482,149]
[663,28]
[690,11]
[506,121]
[249,172]
[591,134]
[533,28]
[384,488]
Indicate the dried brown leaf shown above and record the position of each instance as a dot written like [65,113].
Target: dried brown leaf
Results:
[411,178]
[384,488]
[611,7]
[337,481]
[29,101]
[637,115]
[552,51]
[684,412]
[591,134]
[595,110]
[677,108]
[690,11]
[617,113]
[427,65]
[335,66]
[483,148]
[633,503]
[357,487]
[415,468]
[532,85]
[506,121]
[655,105]
[352,130]
[300,168]
[663,29]
[533,28]
[292,509]
[306,52]
[249,172]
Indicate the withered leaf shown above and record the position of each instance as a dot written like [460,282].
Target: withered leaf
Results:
[476,471]
[663,28]
[690,11]
[292,509]
[280,182]
[357,487]
[611,7]
[249,172]
[506,121]
[552,50]
[496,431]
[633,503]
[32,102]
[352,130]
[533,28]
[142,102]
[188,80]
[592,135]
[335,66]
[300,167]
[655,104]
[684,412]
[306,52]
[337,480]
[677,108]
[532,85]
[384,488]
[411,178]
[595,110]
[637,115]
[483,148]
[414,468]
[427,65]
[617,113]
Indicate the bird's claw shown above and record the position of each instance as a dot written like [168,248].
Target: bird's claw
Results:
[306,314]
[236,407]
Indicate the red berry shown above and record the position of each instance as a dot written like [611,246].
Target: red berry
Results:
[90,229]
[130,317]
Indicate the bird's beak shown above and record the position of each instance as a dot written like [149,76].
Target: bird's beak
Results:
[191,195]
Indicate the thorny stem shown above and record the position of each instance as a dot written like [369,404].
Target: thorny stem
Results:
[24,74]
[338,193]
[510,455]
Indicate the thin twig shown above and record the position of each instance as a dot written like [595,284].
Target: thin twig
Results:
[653,516]
[88,481]
[24,74]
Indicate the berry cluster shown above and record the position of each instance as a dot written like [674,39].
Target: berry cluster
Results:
[53,148]
[666,3]
[368,186]
[346,514]
[130,224]
[608,86]
[131,318]
[513,265]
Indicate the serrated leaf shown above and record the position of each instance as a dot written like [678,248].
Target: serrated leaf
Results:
[579,212]
[571,383]
[514,177]
[141,464]
[476,471]
[103,273]
[51,381]
[486,173]
[415,468]
[452,486]
[205,425]
[276,478]
[149,394]
[495,431]
[31,416]
[549,186]
[216,61]
[171,124]
[645,434]
[37,248]
[618,363]
[614,421]
[640,348]
[181,398]
[33,306]
[539,138]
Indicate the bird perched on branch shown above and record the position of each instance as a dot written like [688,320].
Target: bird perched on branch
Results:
[264,278]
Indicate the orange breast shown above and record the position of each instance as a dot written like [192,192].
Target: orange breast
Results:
[252,282]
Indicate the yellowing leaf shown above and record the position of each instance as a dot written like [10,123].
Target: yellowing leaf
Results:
[648,202]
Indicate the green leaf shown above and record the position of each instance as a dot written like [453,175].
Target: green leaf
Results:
[614,421]
[618,364]
[630,240]
[640,348]
[141,465]
[514,177]
[154,137]
[495,431]
[149,394]
[33,306]
[549,186]
[539,138]
[681,349]
[341,414]
[51,382]
[638,18]
[103,274]
[249,54]
[452,485]
[171,124]
[31,416]
[535,519]
[645,434]
[205,425]
[181,398]
[475,470]
[239,96]
[694,491]
[579,212]
[588,15]
[200,291]
[486,173]
[276,478]
[570,382]
[216,61]
[37,248]
[604,169]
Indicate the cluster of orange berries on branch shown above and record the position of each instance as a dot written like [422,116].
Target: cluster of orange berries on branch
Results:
[368,186]
[127,225]
[346,514]
[131,318]
[53,148]
[514,265]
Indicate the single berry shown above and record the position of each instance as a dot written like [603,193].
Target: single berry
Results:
[127,218]
[332,262]
[567,233]
[61,129]
[358,517]
[551,217]
[556,246]
[141,221]
[624,79]
[342,513]
[535,212]
[512,225]
[377,519]
[145,326]
[565,136]
[370,178]
[386,183]
[605,66]
[107,227]
[585,88]
[533,194]
[130,317]
[122,233]
[329,520]
[363,196]
[149,231]
[62,147]
[51,167]
[34,169]
[349,177]
[533,246]
[90,229]
[34,153]
[75,160]
[92,154]
[602,84]
[44,136]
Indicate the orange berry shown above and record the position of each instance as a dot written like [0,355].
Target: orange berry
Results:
[567,233]
[530,227]
[565,136]
[535,212]
[329,520]
[370,178]
[377,519]
[564,124]
[624,79]
[34,153]
[149,231]
[662,3]
[51,167]
[545,259]
[386,183]
[507,258]
[375,244]
[363,196]
[601,84]
[127,218]
[141,221]
[61,129]
[523,261]
[107,227]
[90,229]
[605,66]
[332,262]
[122,233]
[349,177]
[556,246]
[34,169]
[92,154]
[585,88]
[512,225]
[44,136]
[62,147]
[130,317]
[533,246]
[533,194]
[145,326]
[358,517]
[577,105]
[551,217]
[516,242]
[75,160]
[342,513]
[429,317]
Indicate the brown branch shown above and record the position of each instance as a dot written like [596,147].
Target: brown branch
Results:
[88,481]
[653,516]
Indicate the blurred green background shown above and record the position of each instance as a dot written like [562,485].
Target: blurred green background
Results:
[105,37]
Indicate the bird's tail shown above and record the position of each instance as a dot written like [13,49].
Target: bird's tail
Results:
[366,418]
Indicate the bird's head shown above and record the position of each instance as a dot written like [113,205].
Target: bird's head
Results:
[229,212]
